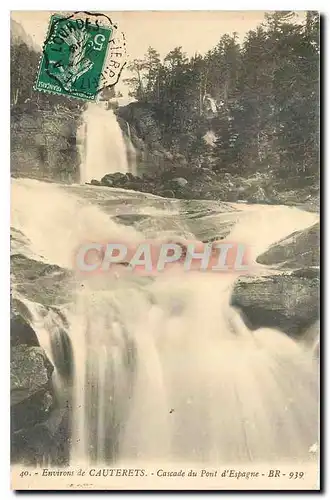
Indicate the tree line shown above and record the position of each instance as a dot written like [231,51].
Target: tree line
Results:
[43,125]
[264,95]
[24,63]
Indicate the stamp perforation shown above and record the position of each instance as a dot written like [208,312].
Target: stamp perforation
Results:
[78,72]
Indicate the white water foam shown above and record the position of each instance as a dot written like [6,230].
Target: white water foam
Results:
[165,369]
[103,148]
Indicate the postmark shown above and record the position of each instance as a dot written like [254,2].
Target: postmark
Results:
[83,54]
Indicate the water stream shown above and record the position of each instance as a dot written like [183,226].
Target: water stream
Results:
[164,368]
[103,147]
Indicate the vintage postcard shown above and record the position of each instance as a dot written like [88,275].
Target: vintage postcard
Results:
[165,250]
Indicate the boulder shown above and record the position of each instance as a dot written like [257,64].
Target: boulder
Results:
[284,301]
[107,180]
[21,332]
[117,179]
[48,441]
[18,308]
[30,372]
[134,185]
[131,177]
[32,399]
[39,282]
[39,425]
[179,181]
[300,249]
[95,182]
[119,176]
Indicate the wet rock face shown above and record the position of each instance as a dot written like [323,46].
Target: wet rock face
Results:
[144,120]
[299,249]
[30,372]
[39,427]
[21,332]
[31,393]
[288,302]
[46,441]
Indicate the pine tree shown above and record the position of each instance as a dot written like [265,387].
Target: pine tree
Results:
[266,92]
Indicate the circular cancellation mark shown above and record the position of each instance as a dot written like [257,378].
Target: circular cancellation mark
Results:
[83,54]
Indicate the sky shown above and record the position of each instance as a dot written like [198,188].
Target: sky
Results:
[195,31]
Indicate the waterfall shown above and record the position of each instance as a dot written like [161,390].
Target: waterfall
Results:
[102,145]
[165,369]
[131,153]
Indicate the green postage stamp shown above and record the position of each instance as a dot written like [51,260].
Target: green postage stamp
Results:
[82,55]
